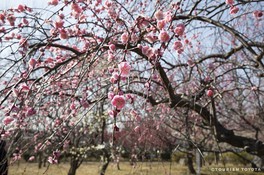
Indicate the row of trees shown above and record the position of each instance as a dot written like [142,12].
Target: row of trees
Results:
[101,74]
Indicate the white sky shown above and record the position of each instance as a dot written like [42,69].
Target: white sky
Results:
[5,4]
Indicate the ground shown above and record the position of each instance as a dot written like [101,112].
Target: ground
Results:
[142,168]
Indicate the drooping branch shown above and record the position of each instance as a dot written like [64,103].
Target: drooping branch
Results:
[225,27]
[39,45]
[223,134]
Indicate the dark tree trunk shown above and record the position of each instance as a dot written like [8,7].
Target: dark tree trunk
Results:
[106,160]
[118,165]
[190,163]
[40,160]
[116,157]
[45,161]
[74,166]
[189,155]
[4,166]
[103,168]
[216,158]
[106,155]
[3,159]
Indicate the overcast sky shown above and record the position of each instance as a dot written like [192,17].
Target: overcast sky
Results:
[5,4]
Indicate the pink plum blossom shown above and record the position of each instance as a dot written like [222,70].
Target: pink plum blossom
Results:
[21,8]
[124,69]
[130,97]
[31,158]
[30,111]
[7,120]
[159,15]
[51,160]
[134,37]
[111,95]
[23,42]
[18,36]
[190,63]
[28,9]
[110,57]
[234,10]
[179,30]
[63,34]
[124,38]
[2,17]
[161,24]
[151,38]
[257,14]
[11,19]
[254,88]
[168,16]
[6,134]
[76,8]
[56,154]
[118,101]
[58,23]
[135,115]
[137,129]
[114,77]
[49,60]
[2,29]
[32,62]
[210,93]
[25,21]
[25,88]
[111,70]
[177,45]
[61,15]
[53,2]
[164,36]
[84,103]
[229,2]
[112,113]
[112,47]
[148,51]
[108,3]
[72,106]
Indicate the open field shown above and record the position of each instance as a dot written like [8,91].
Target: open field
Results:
[142,168]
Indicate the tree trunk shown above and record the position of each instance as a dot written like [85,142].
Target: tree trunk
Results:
[198,162]
[3,166]
[104,167]
[116,158]
[258,162]
[118,166]
[216,158]
[106,160]
[190,163]
[3,159]
[40,160]
[189,145]
[45,161]
[74,166]
[106,156]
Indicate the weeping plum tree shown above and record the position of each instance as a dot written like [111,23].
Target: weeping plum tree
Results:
[167,57]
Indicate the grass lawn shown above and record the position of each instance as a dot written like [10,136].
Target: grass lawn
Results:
[142,168]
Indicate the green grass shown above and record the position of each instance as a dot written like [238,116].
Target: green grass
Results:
[142,168]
